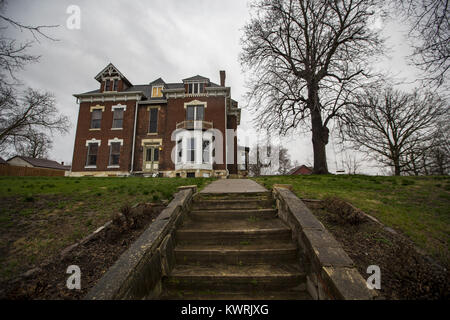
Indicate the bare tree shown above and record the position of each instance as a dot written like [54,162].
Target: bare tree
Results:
[29,112]
[390,126]
[34,145]
[429,34]
[13,54]
[433,156]
[285,163]
[27,116]
[351,162]
[257,163]
[306,58]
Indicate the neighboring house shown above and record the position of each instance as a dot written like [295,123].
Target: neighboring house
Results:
[164,129]
[36,163]
[301,170]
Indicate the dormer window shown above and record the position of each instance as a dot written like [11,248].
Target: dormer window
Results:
[157,91]
[115,84]
[107,85]
[196,88]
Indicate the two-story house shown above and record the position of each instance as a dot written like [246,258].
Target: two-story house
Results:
[164,129]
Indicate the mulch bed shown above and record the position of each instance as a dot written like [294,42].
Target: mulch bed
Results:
[405,272]
[94,257]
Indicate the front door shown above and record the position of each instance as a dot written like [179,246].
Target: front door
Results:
[151,159]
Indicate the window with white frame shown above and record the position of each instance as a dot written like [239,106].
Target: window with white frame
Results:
[107,85]
[191,150]
[96,118]
[196,88]
[153,124]
[157,91]
[114,153]
[179,150]
[118,118]
[195,113]
[206,148]
[115,84]
[92,154]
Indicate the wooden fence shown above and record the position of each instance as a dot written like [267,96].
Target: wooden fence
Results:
[7,170]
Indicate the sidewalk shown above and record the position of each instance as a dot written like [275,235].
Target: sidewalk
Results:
[233,186]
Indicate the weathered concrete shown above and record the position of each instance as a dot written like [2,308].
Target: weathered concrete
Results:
[233,186]
[138,271]
[330,272]
[232,245]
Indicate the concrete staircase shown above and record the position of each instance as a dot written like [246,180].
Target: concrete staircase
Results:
[233,246]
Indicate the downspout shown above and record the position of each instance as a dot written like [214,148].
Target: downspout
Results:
[134,137]
[226,138]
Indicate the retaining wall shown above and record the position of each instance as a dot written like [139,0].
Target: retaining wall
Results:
[331,273]
[137,273]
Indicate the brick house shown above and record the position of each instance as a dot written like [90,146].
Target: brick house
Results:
[164,129]
[301,170]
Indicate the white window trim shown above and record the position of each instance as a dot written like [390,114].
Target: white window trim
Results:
[162,87]
[115,140]
[119,106]
[93,140]
[195,103]
[97,107]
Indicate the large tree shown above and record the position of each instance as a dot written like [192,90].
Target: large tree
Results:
[306,58]
[27,117]
[429,32]
[393,127]
[27,112]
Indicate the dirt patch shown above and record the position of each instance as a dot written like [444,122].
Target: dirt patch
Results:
[405,273]
[94,256]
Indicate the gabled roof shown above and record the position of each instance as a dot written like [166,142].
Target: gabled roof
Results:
[110,69]
[42,163]
[293,170]
[196,78]
[158,81]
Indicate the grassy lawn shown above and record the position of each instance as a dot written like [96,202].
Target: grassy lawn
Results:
[418,207]
[39,216]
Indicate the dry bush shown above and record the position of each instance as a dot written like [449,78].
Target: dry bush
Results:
[344,211]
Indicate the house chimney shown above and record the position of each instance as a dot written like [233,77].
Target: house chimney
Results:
[222,78]
[62,162]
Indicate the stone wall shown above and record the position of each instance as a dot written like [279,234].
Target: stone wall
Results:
[331,273]
[137,273]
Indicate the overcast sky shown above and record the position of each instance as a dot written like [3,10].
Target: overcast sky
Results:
[146,40]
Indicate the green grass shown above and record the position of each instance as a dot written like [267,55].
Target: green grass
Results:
[419,207]
[39,216]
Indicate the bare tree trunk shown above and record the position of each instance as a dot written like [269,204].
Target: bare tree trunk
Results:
[397,169]
[319,133]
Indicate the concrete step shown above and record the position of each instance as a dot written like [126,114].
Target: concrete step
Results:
[238,254]
[224,214]
[232,231]
[233,204]
[243,295]
[236,278]
[234,196]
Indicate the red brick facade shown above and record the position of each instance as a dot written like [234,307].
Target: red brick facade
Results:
[219,110]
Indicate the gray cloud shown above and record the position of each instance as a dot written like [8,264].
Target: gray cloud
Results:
[147,40]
